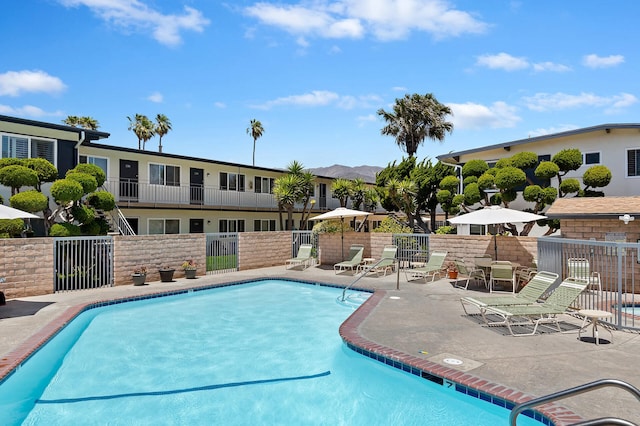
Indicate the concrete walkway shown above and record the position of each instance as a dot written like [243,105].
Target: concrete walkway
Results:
[422,320]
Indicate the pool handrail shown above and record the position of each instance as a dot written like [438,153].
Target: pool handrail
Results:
[364,272]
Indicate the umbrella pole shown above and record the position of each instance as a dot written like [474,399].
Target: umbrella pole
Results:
[342,236]
[495,245]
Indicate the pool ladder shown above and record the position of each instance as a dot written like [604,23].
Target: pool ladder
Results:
[364,272]
[587,387]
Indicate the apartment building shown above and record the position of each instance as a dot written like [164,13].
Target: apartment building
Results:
[160,192]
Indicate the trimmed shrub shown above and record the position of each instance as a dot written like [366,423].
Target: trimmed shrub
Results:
[64,230]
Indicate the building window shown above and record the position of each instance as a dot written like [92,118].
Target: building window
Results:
[263,185]
[633,162]
[591,158]
[98,161]
[164,226]
[160,174]
[231,182]
[264,225]
[231,225]
[26,147]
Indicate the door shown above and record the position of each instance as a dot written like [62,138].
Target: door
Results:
[133,223]
[128,180]
[322,195]
[196,226]
[196,183]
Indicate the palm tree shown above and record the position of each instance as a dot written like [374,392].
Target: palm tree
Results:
[163,125]
[84,122]
[415,118]
[286,189]
[142,127]
[342,189]
[255,130]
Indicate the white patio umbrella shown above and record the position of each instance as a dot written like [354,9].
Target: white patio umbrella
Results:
[495,215]
[7,212]
[340,213]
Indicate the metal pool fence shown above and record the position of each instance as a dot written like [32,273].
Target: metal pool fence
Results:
[222,252]
[304,237]
[411,248]
[82,263]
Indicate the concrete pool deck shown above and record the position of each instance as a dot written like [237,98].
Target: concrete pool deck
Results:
[425,322]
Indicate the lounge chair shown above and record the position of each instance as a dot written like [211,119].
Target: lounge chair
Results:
[530,293]
[433,267]
[355,258]
[468,273]
[302,258]
[580,268]
[387,262]
[538,313]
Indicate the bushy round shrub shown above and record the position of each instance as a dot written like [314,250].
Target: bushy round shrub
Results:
[64,230]
[11,227]
[474,168]
[17,176]
[29,201]
[597,176]
[93,170]
[391,226]
[102,200]
[87,181]
[65,190]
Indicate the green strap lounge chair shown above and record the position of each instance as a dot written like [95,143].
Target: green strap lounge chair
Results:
[355,259]
[302,258]
[530,293]
[433,267]
[467,273]
[538,313]
[386,263]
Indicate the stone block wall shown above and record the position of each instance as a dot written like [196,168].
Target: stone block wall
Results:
[331,245]
[263,249]
[584,229]
[156,251]
[521,250]
[26,264]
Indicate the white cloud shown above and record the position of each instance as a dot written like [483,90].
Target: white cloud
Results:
[595,61]
[552,130]
[220,105]
[15,83]
[502,61]
[477,116]
[550,66]
[559,101]
[386,20]
[28,111]
[370,118]
[399,89]
[319,98]
[134,14]
[156,97]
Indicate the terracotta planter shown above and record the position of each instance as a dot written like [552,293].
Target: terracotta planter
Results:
[138,279]
[453,274]
[166,275]
[190,273]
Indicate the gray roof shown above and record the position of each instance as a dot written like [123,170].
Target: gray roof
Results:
[601,127]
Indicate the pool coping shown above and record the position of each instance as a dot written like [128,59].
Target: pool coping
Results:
[468,384]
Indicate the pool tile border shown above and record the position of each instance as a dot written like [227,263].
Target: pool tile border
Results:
[468,384]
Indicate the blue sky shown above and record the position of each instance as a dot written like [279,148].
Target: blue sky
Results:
[315,72]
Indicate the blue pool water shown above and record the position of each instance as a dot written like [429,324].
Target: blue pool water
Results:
[260,353]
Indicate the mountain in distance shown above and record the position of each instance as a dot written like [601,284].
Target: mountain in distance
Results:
[366,173]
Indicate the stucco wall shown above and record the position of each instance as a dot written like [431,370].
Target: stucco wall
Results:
[263,249]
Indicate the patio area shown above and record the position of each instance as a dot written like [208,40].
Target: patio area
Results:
[425,321]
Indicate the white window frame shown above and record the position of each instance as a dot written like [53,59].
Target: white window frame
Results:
[164,176]
[270,181]
[584,158]
[164,225]
[262,223]
[225,186]
[30,140]
[97,157]
[626,163]
[236,222]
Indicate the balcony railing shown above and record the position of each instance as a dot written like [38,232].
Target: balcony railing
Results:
[131,193]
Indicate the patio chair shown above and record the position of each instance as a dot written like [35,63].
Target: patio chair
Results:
[580,268]
[468,273]
[432,268]
[530,293]
[387,261]
[355,258]
[302,258]
[538,313]
[502,271]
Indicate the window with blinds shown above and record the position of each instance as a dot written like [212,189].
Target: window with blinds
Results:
[25,147]
[633,162]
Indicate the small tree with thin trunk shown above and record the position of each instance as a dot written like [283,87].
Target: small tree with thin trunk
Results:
[255,130]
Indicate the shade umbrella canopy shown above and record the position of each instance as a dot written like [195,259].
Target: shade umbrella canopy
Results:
[495,215]
[340,213]
[7,212]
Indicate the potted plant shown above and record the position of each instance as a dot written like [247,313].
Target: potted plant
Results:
[190,268]
[166,273]
[452,270]
[139,275]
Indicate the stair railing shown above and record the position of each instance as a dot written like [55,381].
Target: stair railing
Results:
[587,387]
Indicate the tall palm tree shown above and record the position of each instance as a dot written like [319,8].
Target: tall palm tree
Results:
[415,118]
[163,125]
[286,189]
[342,189]
[143,128]
[84,122]
[255,130]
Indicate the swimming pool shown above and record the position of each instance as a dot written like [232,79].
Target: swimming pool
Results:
[265,352]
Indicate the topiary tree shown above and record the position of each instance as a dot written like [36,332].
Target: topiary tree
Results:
[16,176]
[11,227]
